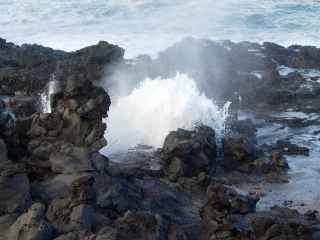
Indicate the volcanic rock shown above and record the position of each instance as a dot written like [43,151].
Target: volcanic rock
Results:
[3,152]
[28,68]
[231,215]
[66,216]
[240,145]
[188,153]
[31,225]
[15,194]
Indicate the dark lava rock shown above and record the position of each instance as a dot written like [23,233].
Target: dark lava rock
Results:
[241,153]
[188,153]
[15,194]
[31,225]
[240,145]
[222,202]
[224,68]
[60,187]
[27,69]
[231,215]
[88,64]
[291,149]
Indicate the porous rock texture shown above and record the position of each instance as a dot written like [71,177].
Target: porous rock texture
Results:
[189,153]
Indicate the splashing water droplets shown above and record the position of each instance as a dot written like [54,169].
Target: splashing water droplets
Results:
[156,107]
[45,97]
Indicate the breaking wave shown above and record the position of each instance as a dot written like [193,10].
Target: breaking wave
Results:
[156,107]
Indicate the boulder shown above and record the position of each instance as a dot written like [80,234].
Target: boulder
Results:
[118,195]
[31,225]
[66,216]
[23,106]
[188,153]
[3,151]
[70,159]
[136,226]
[240,148]
[223,200]
[14,194]
[5,223]
[28,68]
[229,214]
[281,223]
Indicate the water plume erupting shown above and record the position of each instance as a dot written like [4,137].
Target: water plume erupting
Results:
[156,107]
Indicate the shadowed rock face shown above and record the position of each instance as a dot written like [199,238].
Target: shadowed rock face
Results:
[67,138]
[188,153]
[223,68]
[27,69]
[61,147]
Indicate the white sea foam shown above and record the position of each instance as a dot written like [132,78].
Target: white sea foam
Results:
[156,107]
[308,74]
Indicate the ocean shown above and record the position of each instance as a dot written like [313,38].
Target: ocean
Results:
[149,26]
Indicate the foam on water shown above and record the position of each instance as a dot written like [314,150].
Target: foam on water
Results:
[148,26]
[308,74]
[156,107]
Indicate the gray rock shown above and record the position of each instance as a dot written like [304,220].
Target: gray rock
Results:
[14,194]
[3,151]
[5,222]
[66,216]
[188,153]
[31,225]
[70,159]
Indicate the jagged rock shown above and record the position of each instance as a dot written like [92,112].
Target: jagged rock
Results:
[66,216]
[290,148]
[281,223]
[88,64]
[31,225]
[241,153]
[119,195]
[136,226]
[222,202]
[15,194]
[275,164]
[57,186]
[100,162]
[8,132]
[5,223]
[240,147]
[70,159]
[27,69]
[3,152]
[231,215]
[82,189]
[78,235]
[23,106]
[188,153]
[226,200]
[70,137]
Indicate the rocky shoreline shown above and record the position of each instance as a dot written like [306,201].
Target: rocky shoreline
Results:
[55,184]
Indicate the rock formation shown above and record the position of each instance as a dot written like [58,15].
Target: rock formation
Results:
[228,214]
[189,153]
[54,183]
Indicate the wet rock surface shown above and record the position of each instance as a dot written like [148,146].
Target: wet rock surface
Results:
[231,215]
[188,153]
[54,183]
